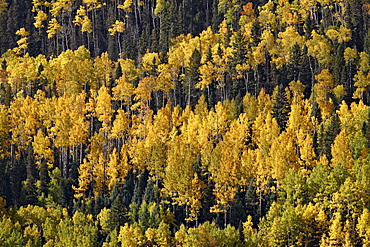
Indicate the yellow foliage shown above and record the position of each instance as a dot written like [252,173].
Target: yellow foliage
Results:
[126,6]
[118,26]
[81,19]
[39,18]
[53,27]
[104,107]
[22,32]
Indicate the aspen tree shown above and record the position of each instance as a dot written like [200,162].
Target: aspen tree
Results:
[104,108]
[341,151]
[322,91]
[363,227]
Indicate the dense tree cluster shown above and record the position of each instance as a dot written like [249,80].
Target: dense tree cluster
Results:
[188,123]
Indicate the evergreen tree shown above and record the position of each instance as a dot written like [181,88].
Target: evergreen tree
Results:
[139,188]
[151,193]
[238,57]
[281,107]
[192,77]
[327,132]
[118,213]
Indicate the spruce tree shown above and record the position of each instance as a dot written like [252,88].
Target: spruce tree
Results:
[327,132]
[281,107]
[117,214]
[238,57]
[192,77]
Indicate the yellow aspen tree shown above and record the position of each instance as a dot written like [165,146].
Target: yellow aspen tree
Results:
[322,91]
[349,238]
[248,165]
[220,64]
[129,69]
[60,6]
[336,235]
[40,17]
[41,149]
[53,28]
[190,131]
[117,168]
[341,34]
[158,140]
[287,14]
[71,71]
[123,91]
[341,152]
[207,75]
[283,155]
[362,78]
[265,131]
[85,179]
[247,17]
[22,72]
[266,15]
[4,131]
[306,151]
[62,122]
[94,168]
[24,120]
[30,112]
[250,233]
[264,102]
[100,175]
[140,121]
[346,118]
[350,55]
[124,165]
[126,6]
[319,47]
[79,130]
[362,83]
[103,71]
[148,62]
[349,200]
[181,182]
[104,109]
[117,27]
[63,128]
[302,125]
[226,165]
[130,236]
[81,19]
[23,42]
[308,214]
[166,79]
[363,227]
[297,89]
[120,126]
[207,39]
[285,43]
[144,89]
[250,106]
[139,154]
[176,55]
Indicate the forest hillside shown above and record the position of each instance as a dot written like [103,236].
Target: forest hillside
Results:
[184,123]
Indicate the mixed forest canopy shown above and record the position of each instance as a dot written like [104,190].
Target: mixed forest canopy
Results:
[184,123]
